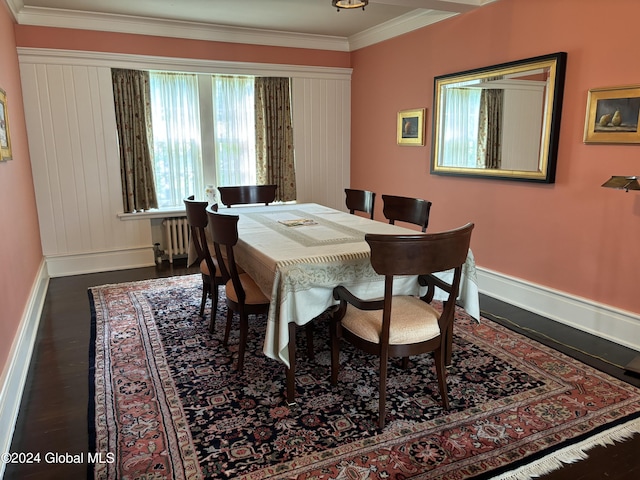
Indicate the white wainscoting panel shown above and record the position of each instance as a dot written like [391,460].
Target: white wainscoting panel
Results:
[76,168]
[322,139]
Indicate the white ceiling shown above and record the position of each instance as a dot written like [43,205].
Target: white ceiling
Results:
[304,23]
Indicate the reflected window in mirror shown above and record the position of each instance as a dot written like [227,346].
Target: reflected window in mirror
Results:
[500,121]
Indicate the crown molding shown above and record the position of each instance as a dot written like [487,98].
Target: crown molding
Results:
[58,18]
[457,6]
[48,17]
[14,7]
[36,56]
[399,26]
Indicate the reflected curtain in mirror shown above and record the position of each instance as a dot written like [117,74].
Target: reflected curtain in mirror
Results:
[132,100]
[490,128]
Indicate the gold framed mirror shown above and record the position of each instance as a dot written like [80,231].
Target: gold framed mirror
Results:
[501,121]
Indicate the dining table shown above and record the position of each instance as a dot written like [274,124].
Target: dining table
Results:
[298,253]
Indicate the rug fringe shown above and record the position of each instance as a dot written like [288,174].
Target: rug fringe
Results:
[573,453]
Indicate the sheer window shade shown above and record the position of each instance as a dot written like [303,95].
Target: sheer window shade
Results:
[234,130]
[177,138]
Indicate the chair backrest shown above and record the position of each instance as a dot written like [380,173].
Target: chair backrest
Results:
[406,209]
[421,255]
[224,234]
[360,200]
[197,219]
[246,194]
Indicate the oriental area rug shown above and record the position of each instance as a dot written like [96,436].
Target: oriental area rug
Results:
[167,402]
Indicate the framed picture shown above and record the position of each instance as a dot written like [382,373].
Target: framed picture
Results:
[411,127]
[5,138]
[612,115]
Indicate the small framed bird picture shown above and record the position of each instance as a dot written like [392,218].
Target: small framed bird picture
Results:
[613,115]
[411,127]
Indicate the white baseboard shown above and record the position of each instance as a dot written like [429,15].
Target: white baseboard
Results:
[619,326]
[81,263]
[15,373]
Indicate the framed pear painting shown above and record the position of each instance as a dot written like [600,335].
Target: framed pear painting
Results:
[612,115]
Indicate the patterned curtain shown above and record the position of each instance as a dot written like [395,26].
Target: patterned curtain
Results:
[490,128]
[133,119]
[274,136]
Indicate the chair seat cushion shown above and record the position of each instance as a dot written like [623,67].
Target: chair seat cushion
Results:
[204,268]
[412,321]
[251,289]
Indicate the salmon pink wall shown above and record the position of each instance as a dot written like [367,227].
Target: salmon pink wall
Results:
[20,251]
[70,39]
[571,236]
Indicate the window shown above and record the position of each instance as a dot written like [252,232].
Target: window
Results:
[177,152]
[234,130]
[180,104]
[459,144]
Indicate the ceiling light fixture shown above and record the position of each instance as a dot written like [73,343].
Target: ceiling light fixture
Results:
[347,4]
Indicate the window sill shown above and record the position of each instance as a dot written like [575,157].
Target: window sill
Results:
[166,213]
[173,212]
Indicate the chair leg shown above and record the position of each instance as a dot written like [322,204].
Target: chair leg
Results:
[214,307]
[335,352]
[439,356]
[449,344]
[309,330]
[291,371]
[384,360]
[227,330]
[205,293]
[244,328]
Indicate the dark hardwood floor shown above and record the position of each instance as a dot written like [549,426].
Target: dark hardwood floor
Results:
[53,413]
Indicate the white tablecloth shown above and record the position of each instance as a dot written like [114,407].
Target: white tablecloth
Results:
[299,266]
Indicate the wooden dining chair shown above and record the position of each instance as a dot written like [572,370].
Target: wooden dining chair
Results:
[406,209]
[400,325]
[360,200]
[247,194]
[244,297]
[211,277]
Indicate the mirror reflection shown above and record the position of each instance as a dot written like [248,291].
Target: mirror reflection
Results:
[500,121]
